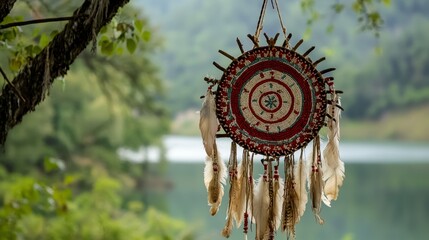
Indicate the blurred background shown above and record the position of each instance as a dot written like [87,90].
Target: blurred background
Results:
[114,151]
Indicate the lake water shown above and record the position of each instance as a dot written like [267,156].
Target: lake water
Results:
[190,149]
[380,199]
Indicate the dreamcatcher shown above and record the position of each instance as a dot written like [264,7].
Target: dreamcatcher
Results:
[272,101]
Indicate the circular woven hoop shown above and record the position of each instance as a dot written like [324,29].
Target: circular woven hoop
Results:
[271,100]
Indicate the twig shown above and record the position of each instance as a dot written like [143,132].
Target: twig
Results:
[211,80]
[240,45]
[13,87]
[222,135]
[45,20]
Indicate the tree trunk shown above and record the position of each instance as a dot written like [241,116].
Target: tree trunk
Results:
[5,8]
[36,77]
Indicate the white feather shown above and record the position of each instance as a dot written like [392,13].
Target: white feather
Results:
[214,181]
[261,203]
[278,202]
[236,201]
[208,122]
[251,185]
[208,171]
[332,167]
[241,197]
[301,174]
[316,181]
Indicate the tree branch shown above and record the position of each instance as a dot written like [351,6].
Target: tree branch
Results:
[13,87]
[5,8]
[36,21]
[36,77]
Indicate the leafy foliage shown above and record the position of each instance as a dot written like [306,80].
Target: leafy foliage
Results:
[397,78]
[60,173]
[31,209]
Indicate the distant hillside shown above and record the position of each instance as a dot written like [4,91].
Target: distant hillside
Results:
[384,80]
[194,30]
[401,125]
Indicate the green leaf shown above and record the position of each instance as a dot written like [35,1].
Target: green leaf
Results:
[69,179]
[36,32]
[119,51]
[103,29]
[29,50]
[135,206]
[7,19]
[138,24]
[53,164]
[36,49]
[307,34]
[107,48]
[9,35]
[386,2]
[146,35]
[338,7]
[53,33]
[330,28]
[374,17]
[357,6]
[15,64]
[131,45]
[103,39]
[121,27]
[44,40]
[378,50]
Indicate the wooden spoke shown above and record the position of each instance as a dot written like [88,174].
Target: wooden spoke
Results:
[327,70]
[240,45]
[286,42]
[227,55]
[297,45]
[319,61]
[308,51]
[254,41]
[219,66]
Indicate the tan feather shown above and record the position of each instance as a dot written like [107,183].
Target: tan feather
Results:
[301,174]
[226,231]
[234,191]
[261,203]
[285,207]
[290,205]
[208,122]
[250,185]
[271,194]
[333,167]
[242,180]
[214,178]
[278,190]
[237,197]
[316,182]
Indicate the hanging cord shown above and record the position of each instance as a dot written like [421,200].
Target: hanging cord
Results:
[261,19]
[280,18]
[271,226]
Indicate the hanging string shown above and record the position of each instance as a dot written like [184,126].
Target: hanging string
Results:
[260,20]
[262,15]
[280,18]
[247,186]
[271,195]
